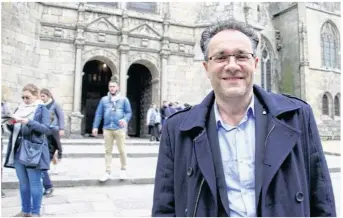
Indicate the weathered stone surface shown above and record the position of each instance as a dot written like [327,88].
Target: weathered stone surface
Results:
[38,45]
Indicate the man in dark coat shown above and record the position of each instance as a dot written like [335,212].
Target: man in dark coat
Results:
[242,151]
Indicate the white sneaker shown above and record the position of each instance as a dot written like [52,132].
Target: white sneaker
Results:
[105,177]
[123,175]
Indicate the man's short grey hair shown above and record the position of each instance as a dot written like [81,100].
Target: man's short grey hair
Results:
[242,27]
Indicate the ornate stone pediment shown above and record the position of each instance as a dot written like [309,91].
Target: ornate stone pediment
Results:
[145,30]
[102,24]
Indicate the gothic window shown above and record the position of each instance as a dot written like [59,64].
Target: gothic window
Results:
[150,7]
[109,4]
[330,46]
[325,105]
[266,66]
[337,106]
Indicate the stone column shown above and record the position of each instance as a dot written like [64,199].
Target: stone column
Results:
[76,116]
[77,79]
[124,50]
[165,52]
[164,74]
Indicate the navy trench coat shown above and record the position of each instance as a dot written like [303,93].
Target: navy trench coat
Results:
[292,176]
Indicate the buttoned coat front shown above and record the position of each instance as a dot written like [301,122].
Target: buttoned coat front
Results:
[291,173]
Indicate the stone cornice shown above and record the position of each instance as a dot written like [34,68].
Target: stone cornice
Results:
[181,25]
[326,70]
[158,20]
[64,26]
[177,41]
[144,49]
[253,25]
[115,11]
[56,39]
[285,10]
[144,37]
[182,54]
[102,45]
[102,31]
[58,5]
[324,11]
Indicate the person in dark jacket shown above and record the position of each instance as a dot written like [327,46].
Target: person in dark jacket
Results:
[242,151]
[163,112]
[31,122]
[54,140]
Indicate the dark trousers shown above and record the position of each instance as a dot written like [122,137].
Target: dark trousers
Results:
[154,131]
[46,180]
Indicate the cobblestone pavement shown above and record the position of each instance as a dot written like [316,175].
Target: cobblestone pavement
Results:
[126,200]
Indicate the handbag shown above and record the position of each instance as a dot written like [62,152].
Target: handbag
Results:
[30,153]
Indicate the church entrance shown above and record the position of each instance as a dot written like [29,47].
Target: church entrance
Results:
[139,93]
[94,86]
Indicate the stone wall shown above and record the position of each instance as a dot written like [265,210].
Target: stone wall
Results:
[38,45]
[20,48]
[322,80]
[289,54]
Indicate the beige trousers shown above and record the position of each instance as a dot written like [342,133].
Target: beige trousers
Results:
[119,136]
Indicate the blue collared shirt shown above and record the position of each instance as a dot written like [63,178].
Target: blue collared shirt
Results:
[237,146]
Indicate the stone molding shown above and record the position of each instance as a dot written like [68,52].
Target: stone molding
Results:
[285,10]
[56,39]
[144,37]
[59,25]
[151,50]
[337,71]
[182,54]
[103,31]
[324,11]
[101,45]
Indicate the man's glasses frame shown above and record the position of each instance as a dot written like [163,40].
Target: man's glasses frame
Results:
[239,58]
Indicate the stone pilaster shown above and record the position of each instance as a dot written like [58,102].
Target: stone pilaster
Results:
[248,13]
[164,53]
[76,116]
[303,49]
[124,50]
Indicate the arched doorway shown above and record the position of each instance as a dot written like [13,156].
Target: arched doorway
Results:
[95,80]
[139,93]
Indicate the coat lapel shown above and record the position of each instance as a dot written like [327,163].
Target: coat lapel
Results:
[218,165]
[261,122]
[205,161]
[280,141]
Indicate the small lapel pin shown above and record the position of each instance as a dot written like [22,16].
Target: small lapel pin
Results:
[264,112]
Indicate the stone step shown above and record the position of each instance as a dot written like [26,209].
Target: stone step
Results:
[95,151]
[95,141]
[86,172]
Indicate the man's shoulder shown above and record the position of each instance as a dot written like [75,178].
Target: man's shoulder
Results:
[104,98]
[179,114]
[295,99]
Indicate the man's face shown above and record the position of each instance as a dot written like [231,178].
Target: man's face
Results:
[165,103]
[233,77]
[113,88]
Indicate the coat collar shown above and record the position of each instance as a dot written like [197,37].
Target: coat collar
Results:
[276,105]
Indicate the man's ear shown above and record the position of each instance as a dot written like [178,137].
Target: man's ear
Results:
[205,64]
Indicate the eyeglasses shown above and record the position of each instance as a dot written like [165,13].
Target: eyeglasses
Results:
[240,58]
[25,97]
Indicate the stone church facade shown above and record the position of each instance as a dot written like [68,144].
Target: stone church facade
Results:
[152,49]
